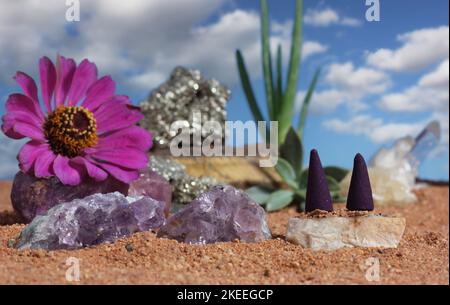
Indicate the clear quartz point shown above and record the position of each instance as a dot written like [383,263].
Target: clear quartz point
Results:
[393,170]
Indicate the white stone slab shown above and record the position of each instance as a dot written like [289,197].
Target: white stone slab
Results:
[334,232]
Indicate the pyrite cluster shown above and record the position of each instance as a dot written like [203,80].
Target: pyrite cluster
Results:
[186,92]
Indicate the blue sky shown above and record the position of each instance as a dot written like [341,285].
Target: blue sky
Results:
[380,80]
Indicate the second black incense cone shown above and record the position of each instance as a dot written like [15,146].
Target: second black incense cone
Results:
[360,192]
[317,193]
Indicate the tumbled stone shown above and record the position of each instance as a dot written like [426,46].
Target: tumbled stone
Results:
[152,185]
[221,214]
[92,220]
[334,232]
[31,196]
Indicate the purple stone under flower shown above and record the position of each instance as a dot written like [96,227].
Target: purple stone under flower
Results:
[31,196]
[152,185]
[224,213]
[92,220]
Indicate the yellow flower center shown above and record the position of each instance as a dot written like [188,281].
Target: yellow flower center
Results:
[69,130]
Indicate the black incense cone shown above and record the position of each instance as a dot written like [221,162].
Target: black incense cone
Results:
[317,193]
[360,193]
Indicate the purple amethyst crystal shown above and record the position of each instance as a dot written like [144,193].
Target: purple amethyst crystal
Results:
[223,213]
[31,196]
[152,185]
[317,193]
[360,193]
[92,220]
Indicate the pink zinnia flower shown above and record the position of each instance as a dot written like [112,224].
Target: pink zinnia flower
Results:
[86,130]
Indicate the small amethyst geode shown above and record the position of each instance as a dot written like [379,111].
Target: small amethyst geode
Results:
[221,214]
[92,220]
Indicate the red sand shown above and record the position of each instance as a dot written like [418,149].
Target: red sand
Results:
[422,257]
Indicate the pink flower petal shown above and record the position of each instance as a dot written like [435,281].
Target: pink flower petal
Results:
[65,172]
[99,92]
[133,136]
[29,130]
[23,108]
[85,75]
[129,157]
[117,117]
[28,85]
[47,74]
[29,152]
[92,170]
[122,174]
[43,166]
[8,127]
[111,104]
[65,68]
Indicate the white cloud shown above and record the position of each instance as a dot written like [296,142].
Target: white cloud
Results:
[439,78]
[364,80]
[348,86]
[312,47]
[419,49]
[431,93]
[327,17]
[375,129]
[139,42]
[322,102]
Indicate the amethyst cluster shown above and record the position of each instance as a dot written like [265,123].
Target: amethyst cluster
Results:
[92,220]
[221,214]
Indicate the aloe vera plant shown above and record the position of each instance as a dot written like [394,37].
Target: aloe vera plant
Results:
[280,100]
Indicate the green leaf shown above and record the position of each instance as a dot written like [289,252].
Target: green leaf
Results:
[287,109]
[279,199]
[303,179]
[258,194]
[338,173]
[279,84]
[248,90]
[301,193]
[292,151]
[306,102]
[333,185]
[286,172]
[267,59]
[337,197]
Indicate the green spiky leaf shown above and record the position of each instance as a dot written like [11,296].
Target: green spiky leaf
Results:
[279,83]
[292,151]
[248,90]
[287,109]
[267,60]
[306,102]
